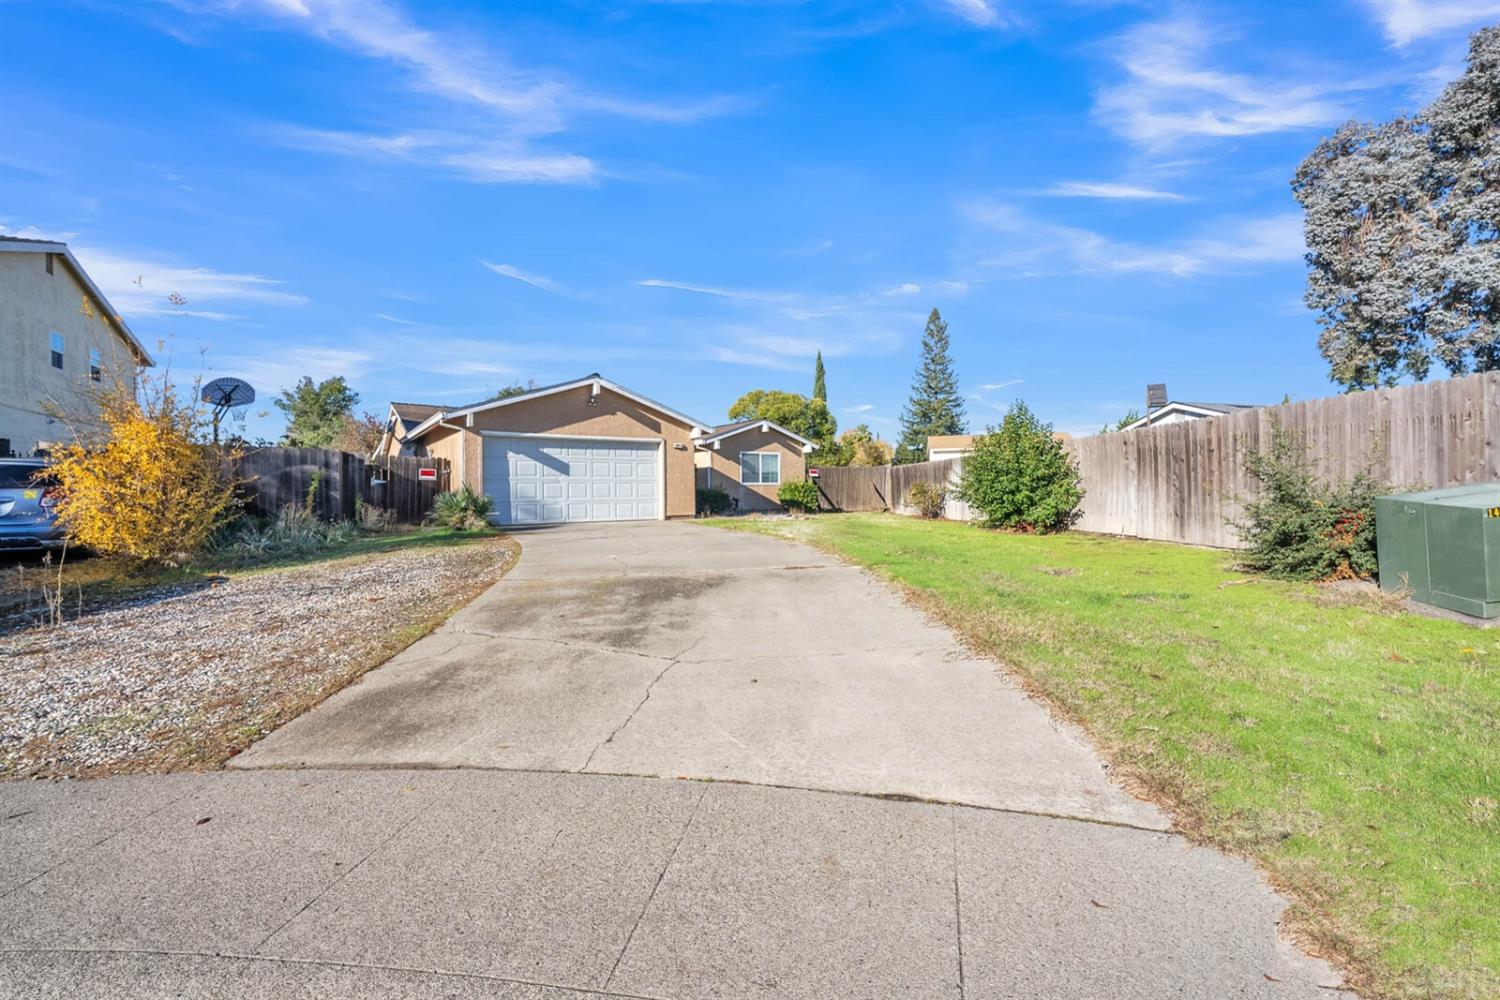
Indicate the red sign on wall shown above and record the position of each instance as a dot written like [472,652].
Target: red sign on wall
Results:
[812,473]
[429,474]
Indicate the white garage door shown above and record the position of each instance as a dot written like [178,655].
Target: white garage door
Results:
[553,480]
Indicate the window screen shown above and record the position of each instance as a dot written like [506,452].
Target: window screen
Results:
[57,351]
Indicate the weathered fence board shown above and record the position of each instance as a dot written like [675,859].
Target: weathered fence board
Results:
[1181,482]
[272,478]
[854,487]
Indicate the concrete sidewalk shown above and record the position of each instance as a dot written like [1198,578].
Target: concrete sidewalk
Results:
[387,884]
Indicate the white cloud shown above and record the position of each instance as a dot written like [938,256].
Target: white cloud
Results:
[980,13]
[861,408]
[515,105]
[1109,190]
[1405,21]
[747,295]
[534,280]
[992,386]
[906,288]
[140,285]
[271,371]
[397,320]
[1035,247]
[479,160]
[1173,91]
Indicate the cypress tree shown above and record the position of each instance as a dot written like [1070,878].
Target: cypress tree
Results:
[936,406]
[820,385]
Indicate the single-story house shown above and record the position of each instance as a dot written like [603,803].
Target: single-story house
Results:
[592,450]
[1161,410]
[941,446]
[750,460]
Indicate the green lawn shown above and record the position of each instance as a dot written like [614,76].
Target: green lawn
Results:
[1353,750]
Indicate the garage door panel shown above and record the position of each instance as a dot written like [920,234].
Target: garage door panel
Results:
[540,481]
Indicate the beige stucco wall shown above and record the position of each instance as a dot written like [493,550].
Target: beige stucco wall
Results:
[33,305]
[569,413]
[724,465]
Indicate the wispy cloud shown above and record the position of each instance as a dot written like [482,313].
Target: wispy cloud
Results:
[861,408]
[1405,21]
[269,372]
[534,280]
[480,161]
[1173,90]
[397,320]
[1035,247]
[747,295]
[992,386]
[515,105]
[905,288]
[1109,190]
[980,13]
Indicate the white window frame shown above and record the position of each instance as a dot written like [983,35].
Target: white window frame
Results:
[760,471]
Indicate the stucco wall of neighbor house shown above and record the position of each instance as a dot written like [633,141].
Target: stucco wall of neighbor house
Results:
[725,466]
[34,305]
[569,413]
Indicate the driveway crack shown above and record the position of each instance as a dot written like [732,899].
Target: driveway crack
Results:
[657,885]
[676,659]
[958,912]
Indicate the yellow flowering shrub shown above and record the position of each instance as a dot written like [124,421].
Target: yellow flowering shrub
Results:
[142,483]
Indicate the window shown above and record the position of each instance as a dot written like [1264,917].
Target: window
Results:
[760,468]
[49,262]
[57,351]
[96,371]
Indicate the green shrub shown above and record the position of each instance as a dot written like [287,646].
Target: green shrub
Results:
[292,532]
[712,502]
[802,495]
[1301,527]
[927,497]
[463,509]
[1018,476]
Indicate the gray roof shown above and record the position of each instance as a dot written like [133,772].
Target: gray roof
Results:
[1218,407]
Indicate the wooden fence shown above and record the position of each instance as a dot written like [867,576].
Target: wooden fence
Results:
[883,487]
[275,477]
[1180,482]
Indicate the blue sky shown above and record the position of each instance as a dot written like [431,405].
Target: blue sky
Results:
[436,200]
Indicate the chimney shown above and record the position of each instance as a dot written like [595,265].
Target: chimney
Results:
[1156,397]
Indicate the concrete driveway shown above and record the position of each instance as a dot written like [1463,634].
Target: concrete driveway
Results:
[487,816]
[676,650]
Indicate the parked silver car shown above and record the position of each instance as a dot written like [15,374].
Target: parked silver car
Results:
[28,497]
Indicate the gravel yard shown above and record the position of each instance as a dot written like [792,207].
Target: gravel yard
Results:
[189,675]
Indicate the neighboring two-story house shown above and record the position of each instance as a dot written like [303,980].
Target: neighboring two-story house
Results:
[60,340]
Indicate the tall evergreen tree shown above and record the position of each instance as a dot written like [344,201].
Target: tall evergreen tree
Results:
[935,407]
[820,383]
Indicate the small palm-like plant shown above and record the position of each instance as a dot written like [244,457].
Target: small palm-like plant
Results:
[463,509]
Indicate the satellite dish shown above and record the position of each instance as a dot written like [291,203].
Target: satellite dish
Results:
[223,394]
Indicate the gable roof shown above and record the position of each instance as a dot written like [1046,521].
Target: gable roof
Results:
[593,379]
[413,413]
[17,244]
[719,433]
[1192,409]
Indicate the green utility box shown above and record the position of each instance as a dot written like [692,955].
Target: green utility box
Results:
[1443,546]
